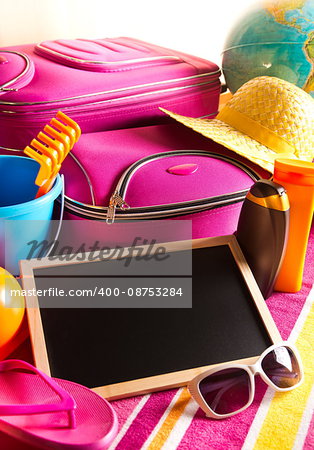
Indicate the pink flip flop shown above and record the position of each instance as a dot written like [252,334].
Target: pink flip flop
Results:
[52,413]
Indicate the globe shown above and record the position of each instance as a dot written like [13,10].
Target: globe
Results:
[276,39]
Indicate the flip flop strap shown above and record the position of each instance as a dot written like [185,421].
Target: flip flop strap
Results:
[67,403]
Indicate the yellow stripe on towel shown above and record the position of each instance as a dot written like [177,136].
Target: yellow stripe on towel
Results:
[285,412]
[170,420]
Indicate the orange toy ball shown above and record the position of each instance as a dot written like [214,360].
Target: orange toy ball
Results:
[12,306]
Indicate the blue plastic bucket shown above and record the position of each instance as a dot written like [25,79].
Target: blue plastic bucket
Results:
[22,217]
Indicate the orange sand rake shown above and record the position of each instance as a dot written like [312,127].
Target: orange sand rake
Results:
[51,147]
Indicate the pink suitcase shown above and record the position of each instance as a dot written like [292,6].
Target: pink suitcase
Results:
[111,87]
[157,172]
[102,84]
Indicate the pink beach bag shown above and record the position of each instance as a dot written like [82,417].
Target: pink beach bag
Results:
[154,173]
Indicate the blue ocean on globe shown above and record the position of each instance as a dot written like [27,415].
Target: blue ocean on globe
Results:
[275,40]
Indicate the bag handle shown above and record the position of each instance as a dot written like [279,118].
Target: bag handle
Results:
[62,195]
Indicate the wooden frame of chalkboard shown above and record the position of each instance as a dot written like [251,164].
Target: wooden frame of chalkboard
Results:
[211,342]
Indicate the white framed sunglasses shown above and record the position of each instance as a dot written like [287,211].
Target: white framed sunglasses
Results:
[229,389]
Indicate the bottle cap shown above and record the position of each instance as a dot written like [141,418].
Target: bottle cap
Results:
[294,171]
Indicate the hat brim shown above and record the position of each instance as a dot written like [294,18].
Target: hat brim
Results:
[231,138]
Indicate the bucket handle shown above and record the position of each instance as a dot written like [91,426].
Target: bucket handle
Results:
[62,194]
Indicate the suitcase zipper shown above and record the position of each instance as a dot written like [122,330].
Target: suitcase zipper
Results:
[57,104]
[125,211]
[157,212]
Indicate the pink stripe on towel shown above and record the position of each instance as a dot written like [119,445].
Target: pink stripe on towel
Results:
[219,434]
[146,420]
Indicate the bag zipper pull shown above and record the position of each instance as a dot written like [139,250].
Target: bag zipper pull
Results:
[8,89]
[115,201]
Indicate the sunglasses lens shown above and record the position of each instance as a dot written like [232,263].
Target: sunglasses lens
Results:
[282,368]
[226,391]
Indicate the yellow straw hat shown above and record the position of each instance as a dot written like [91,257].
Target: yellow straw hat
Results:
[265,118]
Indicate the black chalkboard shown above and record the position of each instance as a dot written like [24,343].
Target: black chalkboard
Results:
[100,347]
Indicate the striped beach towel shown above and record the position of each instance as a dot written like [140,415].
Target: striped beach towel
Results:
[172,420]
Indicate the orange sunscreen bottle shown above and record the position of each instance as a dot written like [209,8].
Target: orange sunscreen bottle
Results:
[298,179]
